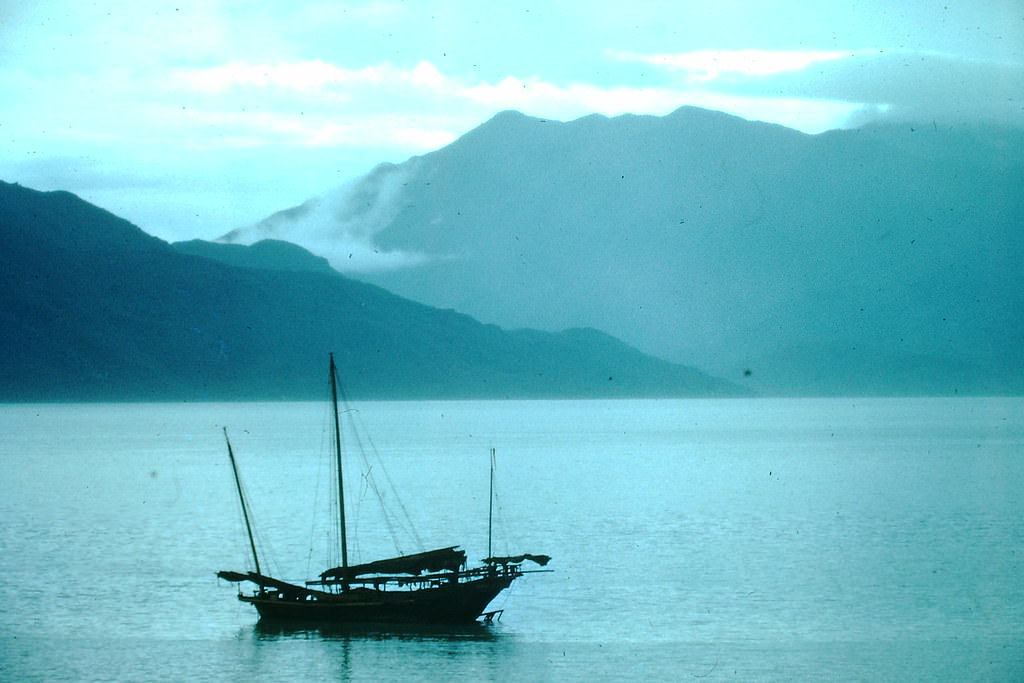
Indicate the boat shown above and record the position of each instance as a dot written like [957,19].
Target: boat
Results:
[431,587]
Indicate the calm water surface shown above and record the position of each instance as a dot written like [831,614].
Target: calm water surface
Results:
[845,539]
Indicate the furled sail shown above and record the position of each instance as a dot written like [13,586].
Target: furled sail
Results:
[443,559]
[289,590]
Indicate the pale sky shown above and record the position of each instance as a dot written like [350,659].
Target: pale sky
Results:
[194,117]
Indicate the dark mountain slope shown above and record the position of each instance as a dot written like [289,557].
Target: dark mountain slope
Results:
[92,308]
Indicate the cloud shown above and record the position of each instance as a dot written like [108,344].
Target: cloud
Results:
[872,83]
[342,224]
[235,140]
[922,86]
[221,113]
[311,76]
[304,76]
[368,95]
[539,97]
[322,90]
[703,66]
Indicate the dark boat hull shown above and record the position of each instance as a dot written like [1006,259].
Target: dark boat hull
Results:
[448,603]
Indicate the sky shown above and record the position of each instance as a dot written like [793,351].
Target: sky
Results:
[194,117]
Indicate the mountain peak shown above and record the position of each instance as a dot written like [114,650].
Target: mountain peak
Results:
[715,241]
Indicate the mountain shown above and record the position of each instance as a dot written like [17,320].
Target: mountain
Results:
[880,260]
[266,255]
[93,308]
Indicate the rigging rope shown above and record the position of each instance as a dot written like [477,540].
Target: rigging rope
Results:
[397,522]
[328,541]
[499,509]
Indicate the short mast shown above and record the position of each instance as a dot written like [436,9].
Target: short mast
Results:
[337,454]
[245,506]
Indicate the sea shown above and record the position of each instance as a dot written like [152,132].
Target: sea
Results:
[856,539]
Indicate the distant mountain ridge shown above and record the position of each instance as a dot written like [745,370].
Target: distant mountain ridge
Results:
[93,308]
[881,260]
[263,255]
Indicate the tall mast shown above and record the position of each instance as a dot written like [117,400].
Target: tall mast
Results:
[245,506]
[337,455]
[490,508]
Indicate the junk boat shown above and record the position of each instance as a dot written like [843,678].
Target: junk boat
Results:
[429,587]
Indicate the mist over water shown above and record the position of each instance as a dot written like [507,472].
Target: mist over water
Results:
[842,539]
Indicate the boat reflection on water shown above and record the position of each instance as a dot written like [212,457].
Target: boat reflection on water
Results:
[474,631]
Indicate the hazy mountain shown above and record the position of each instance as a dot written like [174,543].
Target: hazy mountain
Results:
[880,260]
[92,308]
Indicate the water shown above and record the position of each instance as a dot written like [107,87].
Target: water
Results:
[713,540]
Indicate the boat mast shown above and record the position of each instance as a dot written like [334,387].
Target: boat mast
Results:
[245,506]
[337,455]
[490,508]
